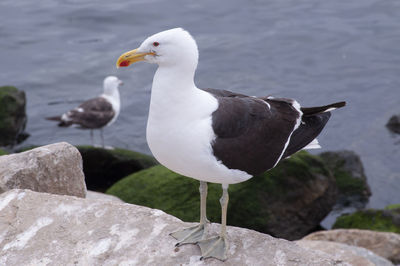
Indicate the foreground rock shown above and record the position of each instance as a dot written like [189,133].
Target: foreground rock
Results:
[350,178]
[288,201]
[55,168]
[40,229]
[104,167]
[384,244]
[356,256]
[94,195]
[12,116]
[394,124]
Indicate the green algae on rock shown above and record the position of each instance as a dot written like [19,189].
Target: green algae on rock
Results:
[288,201]
[12,116]
[371,219]
[351,181]
[393,207]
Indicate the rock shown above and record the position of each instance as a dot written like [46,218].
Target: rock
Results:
[394,124]
[371,219]
[384,244]
[356,256]
[12,116]
[55,168]
[288,201]
[104,167]
[351,181]
[93,195]
[47,229]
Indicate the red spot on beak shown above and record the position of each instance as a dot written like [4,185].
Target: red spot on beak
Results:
[124,63]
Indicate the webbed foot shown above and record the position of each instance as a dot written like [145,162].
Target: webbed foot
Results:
[189,235]
[216,247]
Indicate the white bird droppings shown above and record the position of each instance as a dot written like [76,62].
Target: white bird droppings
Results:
[280,258]
[21,195]
[66,209]
[6,200]
[124,237]
[22,239]
[101,247]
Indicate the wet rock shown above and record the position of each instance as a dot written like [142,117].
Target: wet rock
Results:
[55,168]
[371,219]
[288,201]
[355,256]
[104,167]
[394,124]
[350,178]
[384,244]
[47,229]
[12,116]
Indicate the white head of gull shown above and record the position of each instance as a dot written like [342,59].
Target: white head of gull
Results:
[216,135]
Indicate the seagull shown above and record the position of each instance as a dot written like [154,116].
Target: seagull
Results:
[95,113]
[213,135]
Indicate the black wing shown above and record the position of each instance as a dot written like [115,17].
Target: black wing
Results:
[94,113]
[251,132]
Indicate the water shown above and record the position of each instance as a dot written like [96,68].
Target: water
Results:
[315,51]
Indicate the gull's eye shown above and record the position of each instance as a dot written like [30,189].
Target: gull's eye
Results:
[155,44]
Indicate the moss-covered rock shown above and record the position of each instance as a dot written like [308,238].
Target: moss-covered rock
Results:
[12,116]
[104,167]
[288,201]
[371,219]
[393,207]
[351,181]
[394,124]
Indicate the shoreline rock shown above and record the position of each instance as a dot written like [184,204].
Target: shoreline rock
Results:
[12,116]
[40,228]
[346,166]
[352,254]
[54,168]
[386,245]
[394,124]
[104,167]
[371,219]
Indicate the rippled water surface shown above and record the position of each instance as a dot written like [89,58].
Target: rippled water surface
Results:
[315,51]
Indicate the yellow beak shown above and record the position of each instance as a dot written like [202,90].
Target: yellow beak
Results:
[131,57]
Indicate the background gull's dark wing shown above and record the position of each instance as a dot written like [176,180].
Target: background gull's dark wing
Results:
[94,113]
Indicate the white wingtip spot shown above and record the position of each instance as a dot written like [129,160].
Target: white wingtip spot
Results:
[330,109]
[312,145]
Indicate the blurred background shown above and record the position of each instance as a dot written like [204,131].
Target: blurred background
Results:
[317,52]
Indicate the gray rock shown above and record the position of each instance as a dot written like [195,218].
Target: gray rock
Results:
[356,256]
[55,168]
[384,244]
[12,116]
[40,228]
[93,195]
[394,124]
